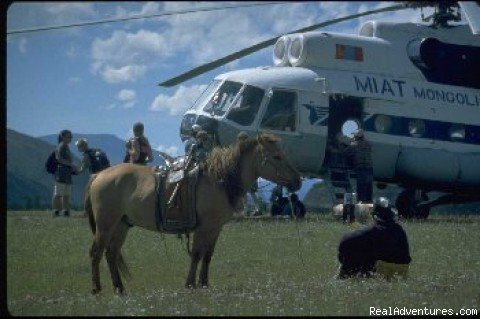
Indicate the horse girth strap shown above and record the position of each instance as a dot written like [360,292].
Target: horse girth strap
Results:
[182,217]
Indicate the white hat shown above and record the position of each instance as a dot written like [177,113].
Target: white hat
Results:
[81,142]
[196,128]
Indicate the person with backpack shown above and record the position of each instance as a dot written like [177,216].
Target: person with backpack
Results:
[63,175]
[93,158]
[138,150]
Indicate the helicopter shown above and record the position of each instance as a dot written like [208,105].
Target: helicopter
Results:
[414,89]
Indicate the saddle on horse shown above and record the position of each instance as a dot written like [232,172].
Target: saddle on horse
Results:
[182,216]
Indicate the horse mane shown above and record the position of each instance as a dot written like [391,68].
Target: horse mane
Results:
[223,164]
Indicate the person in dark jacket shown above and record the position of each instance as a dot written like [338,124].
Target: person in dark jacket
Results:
[278,201]
[89,158]
[138,149]
[359,153]
[63,175]
[297,205]
[382,247]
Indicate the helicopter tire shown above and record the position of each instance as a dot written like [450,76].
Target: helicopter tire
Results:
[422,212]
[405,203]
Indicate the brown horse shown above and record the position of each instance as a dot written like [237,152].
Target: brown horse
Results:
[127,192]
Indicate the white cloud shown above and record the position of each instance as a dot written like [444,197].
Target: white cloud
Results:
[22,45]
[128,73]
[126,95]
[179,102]
[126,56]
[63,12]
[170,150]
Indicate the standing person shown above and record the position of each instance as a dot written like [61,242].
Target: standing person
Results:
[199,144]
[138,150]
[256,201]
[93,159]
[63,175]
[360,152]
[382,247]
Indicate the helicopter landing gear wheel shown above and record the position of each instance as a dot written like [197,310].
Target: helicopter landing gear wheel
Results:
[408,205]
[422,212]
[405,203]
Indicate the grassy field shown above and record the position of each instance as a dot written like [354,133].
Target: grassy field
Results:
[260,267]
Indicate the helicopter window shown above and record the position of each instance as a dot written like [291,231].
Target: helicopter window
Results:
[416,128]
[349,127]
[457,132]
[222,98]
[213,86]
[473,134]
[281,110]
[383,123]
[246,107]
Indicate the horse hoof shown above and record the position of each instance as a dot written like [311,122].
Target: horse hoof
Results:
[204,286]
[95,291]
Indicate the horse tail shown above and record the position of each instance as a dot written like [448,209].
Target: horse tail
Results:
[88,204]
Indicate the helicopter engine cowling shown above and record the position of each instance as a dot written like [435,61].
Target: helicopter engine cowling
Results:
[280,51]
[337,51]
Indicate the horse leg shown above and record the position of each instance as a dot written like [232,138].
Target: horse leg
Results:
[113,255]
[209,247]
[195,258]
[96,253]
[196,255]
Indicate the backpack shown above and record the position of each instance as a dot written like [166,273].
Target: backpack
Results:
[98,160]
[51,163]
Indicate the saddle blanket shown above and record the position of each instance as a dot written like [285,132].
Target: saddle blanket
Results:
[182,216]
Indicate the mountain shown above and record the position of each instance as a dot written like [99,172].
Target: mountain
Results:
[28,184]
[113,146]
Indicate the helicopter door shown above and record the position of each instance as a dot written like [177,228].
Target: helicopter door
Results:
[345,116]
[280,117]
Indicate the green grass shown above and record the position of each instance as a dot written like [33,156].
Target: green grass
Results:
[260,267]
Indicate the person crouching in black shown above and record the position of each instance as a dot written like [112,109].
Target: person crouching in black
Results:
[381,248]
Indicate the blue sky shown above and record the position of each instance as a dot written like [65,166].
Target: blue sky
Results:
[103,78]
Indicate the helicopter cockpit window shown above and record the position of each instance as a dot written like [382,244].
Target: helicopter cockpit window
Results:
[212,87]
[281,111]
[222,98]
[246,106]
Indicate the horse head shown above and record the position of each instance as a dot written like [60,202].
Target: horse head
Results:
[274,166]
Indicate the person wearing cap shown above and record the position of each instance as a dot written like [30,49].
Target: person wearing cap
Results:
[198,145]
[381,248]
[359,153]
[89,157]
[138,149]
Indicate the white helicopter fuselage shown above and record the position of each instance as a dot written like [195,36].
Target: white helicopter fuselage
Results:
[421,132]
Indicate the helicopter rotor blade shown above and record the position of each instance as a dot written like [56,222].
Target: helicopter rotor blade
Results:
[257,47]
